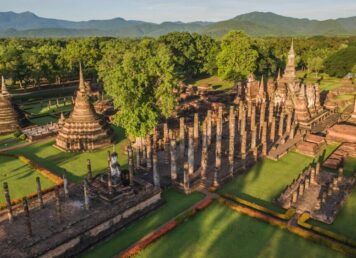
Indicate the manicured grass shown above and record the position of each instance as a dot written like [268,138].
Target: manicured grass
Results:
[75,163]
[175,204]
[267,179]
[221,232]
[215,83]
[20,177]
[44,120]
[350,166]
[327,83]
[38,109]
[8,140]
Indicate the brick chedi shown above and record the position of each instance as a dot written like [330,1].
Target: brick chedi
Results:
[301,106]
[9,118]
[84,130]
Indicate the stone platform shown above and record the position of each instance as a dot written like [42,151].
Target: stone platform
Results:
[65,228]
[322,195]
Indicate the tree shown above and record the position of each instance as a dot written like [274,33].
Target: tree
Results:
[140,79]
[340,63]
[315,64]
[237,58]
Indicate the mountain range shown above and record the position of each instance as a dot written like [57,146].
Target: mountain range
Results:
[27,24]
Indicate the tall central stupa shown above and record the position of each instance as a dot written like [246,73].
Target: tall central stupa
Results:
[83,130]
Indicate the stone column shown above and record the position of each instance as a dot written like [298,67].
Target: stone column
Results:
[231,140]
[243,121]
[317,171]
[196,131]
[289,122]
[181,137]
[8,202]
[165,133]
[131,164]
[249,108]
[90,172]
[243,148]
[264,139]
[301,189]
[186,178]
[138,160]
[295,197]
[204,154]
[109,174]
[254,143]
[86,195]
[281,125]
[65,185]
[156,179]
[218,148]
[27,215]
[292,131]
[253,118]
[208,128]
[273,130]
[190,151]
[173,159]
[262,118]
[39,192]
[149,152]
[58,204]
[270,112]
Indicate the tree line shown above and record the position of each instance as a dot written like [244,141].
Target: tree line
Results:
[142,74]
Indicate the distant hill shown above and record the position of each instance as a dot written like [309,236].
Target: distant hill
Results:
[28,24]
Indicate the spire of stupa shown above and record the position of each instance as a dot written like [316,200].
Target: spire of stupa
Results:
[4,91]
[82,87]
[289,72]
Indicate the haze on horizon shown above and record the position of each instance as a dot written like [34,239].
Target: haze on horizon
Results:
[178,10]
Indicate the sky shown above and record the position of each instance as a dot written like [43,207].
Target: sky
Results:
[179,10]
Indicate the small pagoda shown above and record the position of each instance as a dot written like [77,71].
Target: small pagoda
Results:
[83,130]
[9,118]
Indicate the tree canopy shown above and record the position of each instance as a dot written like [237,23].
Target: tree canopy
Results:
[237,58]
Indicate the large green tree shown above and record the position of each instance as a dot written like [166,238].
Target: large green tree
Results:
[237,58]
[140,77]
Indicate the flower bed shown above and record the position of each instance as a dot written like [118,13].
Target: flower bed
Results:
[284,216]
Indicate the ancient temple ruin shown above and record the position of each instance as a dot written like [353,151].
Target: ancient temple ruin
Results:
[9,117]
[83,130]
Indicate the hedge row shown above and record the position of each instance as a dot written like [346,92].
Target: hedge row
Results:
[169,226]
[305,233]
[43,171]
[284,216]
[302,221]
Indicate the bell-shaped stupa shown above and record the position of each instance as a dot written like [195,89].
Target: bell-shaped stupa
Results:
[9,118]
[83,130]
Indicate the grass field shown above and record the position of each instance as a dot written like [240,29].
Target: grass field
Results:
[267,179]
[220,232]
[20,177]
[175,204]
[75,163]
[8,140]
[214,82]
[38,109]
[44,120]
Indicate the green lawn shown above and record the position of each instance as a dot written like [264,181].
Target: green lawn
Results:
[221,232]
[175,204]
[75,163]
[267,179]
[44,120]
[215,83]
[20,177]
[327,83]
[37,109]
[8,140]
